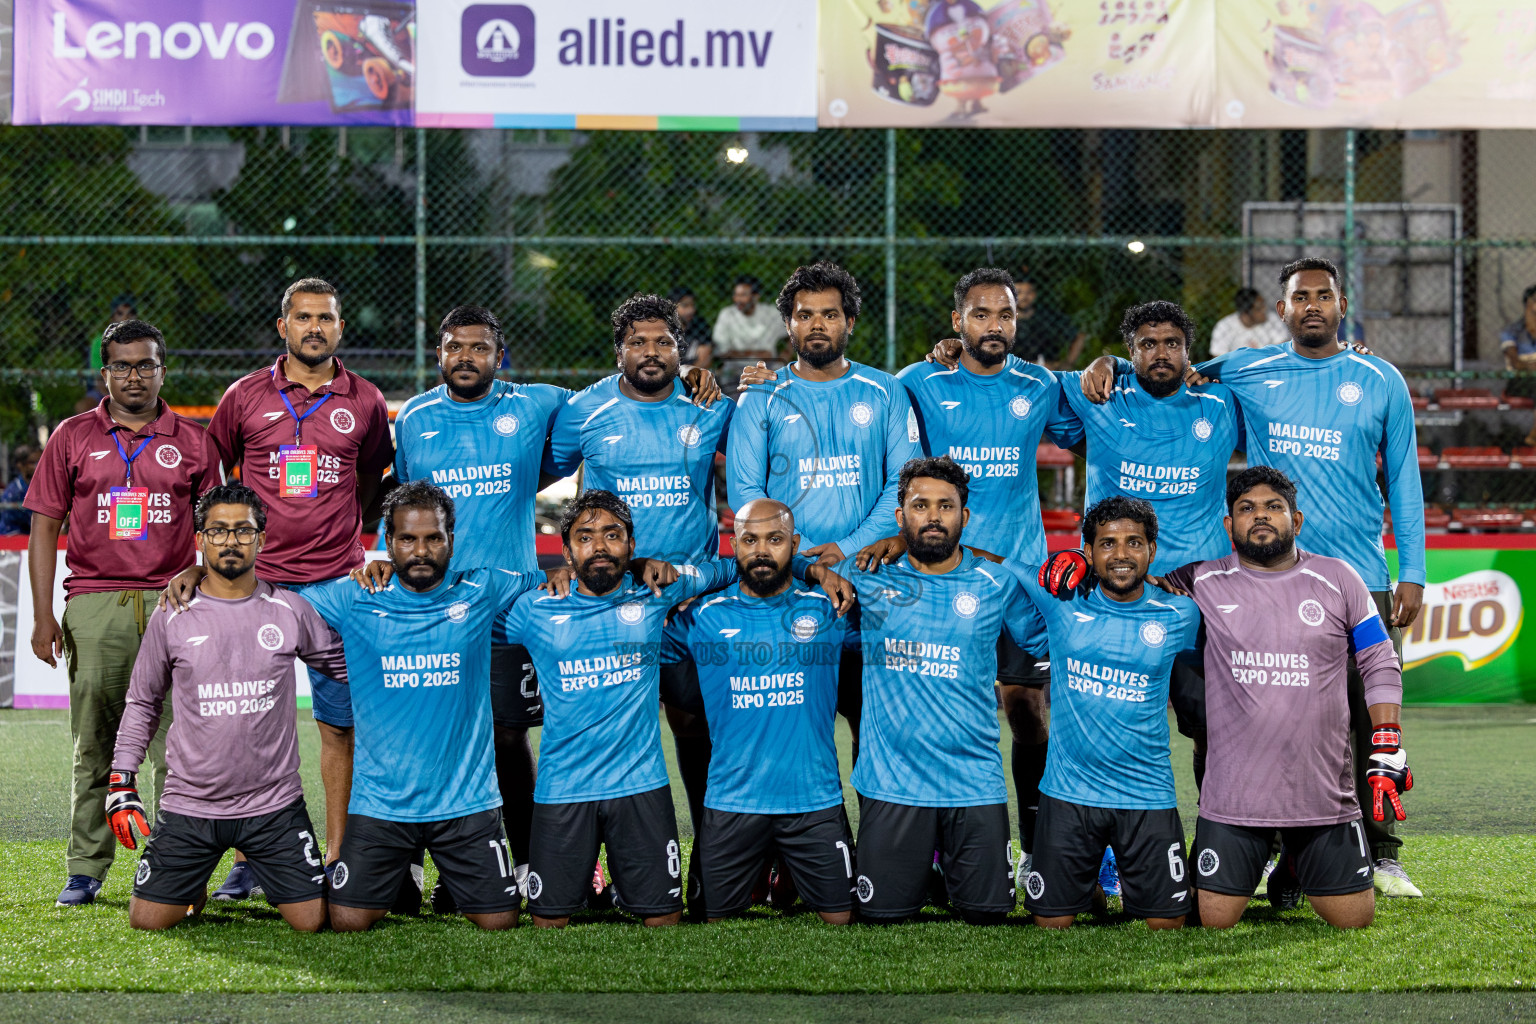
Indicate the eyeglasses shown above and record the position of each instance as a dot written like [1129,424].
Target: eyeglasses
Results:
[122,370]
[220,534]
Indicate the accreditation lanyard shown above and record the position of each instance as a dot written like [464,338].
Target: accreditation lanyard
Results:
[297,462]
[127,504]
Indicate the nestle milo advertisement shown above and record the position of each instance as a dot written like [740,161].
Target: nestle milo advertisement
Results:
[1469,644]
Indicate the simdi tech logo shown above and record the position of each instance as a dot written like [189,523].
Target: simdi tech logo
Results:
[496,40]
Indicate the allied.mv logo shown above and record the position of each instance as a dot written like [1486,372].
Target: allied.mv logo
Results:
[1203,429]
[966,604]
[689,435]
[1311,612]
[1153,634]
[631,612]
[804,628]
[343,420]
[861,414]
[269,636]
[168,455]
[1019,406]
[1350,393]
[457,611]
[496,40]
[505,424]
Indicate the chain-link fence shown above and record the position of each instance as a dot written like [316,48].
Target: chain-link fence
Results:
[201,229]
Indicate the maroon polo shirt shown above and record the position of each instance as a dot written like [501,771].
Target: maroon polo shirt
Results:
[308,539]
[74,480]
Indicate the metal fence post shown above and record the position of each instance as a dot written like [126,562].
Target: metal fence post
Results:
[421,260]
[890,250]
[1351,263]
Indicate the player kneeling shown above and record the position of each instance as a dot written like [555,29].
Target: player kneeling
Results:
[1108,781]
[228,664]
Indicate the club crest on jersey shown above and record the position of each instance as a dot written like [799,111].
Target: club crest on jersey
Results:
[865,889]
[505,424]
[343,420]
[168,455]
[1034,885]
[1311,612]
[1019,406]
[804,628]
[1208,862]
[861,414]
[689,435]
[339,875]
[1350,393]
[1153,634]
[535,885]
[1203,429]
[631,612]
[966,604]
[269,636]
[457,611]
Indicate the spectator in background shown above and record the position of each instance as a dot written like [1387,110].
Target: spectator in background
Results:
[1253,325]
[18,520]
[123,308]
[747,330]
[1518,343]
[1044,333]
[698,344]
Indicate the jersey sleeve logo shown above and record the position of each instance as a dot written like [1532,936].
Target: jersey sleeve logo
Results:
[1020,406]
[343,420]
[1203,429]
[168,455]
[269,636]
[966,604]
[804,628]
[1153,634]
[689,435]
[861,414]
[1350,393]
[1311,612]
[505,424]
[458,611]
[631,612]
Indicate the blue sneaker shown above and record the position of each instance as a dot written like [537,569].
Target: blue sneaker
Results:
[1109,874]
[78,891]
[240,885]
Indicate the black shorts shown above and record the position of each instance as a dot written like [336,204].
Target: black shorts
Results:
[1331,860]
[471,854]
[1069,845]
[181,853]
[1186,692]
[896,844]
[680,686]
[816,847]
[515,699]
[640,832]
[1017,667]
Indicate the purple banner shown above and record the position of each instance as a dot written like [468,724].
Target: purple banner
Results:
[214,62]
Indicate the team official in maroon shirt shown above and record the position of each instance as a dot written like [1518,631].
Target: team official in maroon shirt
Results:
[126,476]
[311,438]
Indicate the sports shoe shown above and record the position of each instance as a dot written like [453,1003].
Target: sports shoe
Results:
[78,891]
[1109,873]
[782,890]
[442,900]
[240,885]
[1281,885]
[1392,880]
[1021,871]
[602,895]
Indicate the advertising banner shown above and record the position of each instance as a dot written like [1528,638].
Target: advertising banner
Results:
[214,62]
[682,64]
[6,39]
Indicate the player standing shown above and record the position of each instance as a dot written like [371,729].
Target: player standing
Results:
[126,476]
[1108,780]
[767,653]
[1281,626]
[227,665]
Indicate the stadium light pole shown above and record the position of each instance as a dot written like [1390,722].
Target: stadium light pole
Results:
[421,259]
[890,250]
[1351,267]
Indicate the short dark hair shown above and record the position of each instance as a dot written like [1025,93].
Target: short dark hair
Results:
[941,468]
[472,316]
[1157,312]
[22,452]
[680,293]
[644,307]
[417,494]
[1295,267]
[1260,476]
[1526,295]
[981,276]
[125,331]
[819,277]
[750,282]
[1107,510]
[230,494]
[594,500]
[1245,298]
[309,286]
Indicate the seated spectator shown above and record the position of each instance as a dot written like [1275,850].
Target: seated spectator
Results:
[1253,325]
[698,345]
[1044,335]
[747,329]
[17,520]
[1518,342]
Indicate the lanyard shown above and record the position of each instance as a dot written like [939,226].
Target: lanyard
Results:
[298,421]
[128,459]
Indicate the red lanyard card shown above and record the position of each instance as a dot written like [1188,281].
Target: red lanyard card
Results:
[296,471]
[127,506]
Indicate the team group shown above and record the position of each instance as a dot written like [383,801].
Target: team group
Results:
[890,566]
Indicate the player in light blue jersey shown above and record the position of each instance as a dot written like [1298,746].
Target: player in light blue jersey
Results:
[424,771]
[1108,780]
[825,435]
[767,652]
[1321,413]
[930,775]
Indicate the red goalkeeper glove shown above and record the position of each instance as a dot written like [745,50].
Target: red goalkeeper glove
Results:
[1387,772]
[1066,574]
[125,811]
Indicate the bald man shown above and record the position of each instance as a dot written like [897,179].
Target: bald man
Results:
[767,652]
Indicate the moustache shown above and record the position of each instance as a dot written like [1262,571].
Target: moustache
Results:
[762,563]
[992,337]
[423,562]
[1120,565]
[230,553]
[466,368]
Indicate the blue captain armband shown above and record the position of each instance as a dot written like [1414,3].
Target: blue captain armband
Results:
[1369,632]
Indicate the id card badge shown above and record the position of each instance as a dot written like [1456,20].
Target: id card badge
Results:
[127,507]
[296,471]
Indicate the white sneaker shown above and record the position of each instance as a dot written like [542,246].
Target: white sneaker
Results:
[1391,880]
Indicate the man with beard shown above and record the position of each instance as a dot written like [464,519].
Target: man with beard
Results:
[419,661]
[767,653]
[227,666]
[825,435]
[1108,781]
[312,439]
[126,477]
[1278,717]
[602,778]
[930,776]
[1321,413]
[638,435]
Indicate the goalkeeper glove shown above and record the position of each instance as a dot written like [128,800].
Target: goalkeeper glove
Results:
[1067,573]
[125,810]
[1387,772]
